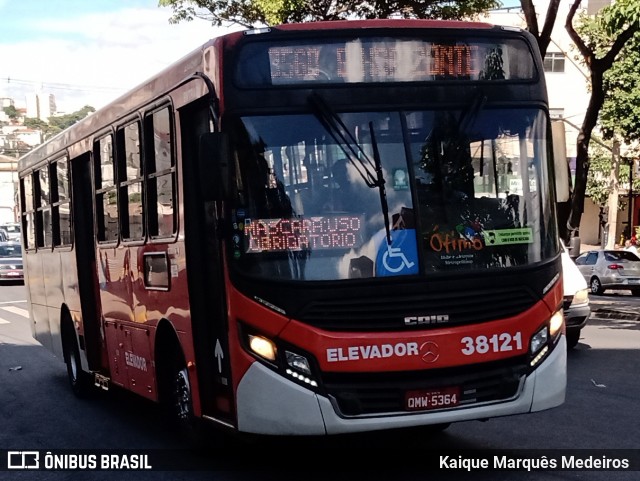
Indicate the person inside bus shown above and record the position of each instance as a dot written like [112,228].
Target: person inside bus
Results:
[340,193]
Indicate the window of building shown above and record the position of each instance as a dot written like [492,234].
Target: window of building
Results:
[556,113]
[554,62]
[106,190]
[161,172]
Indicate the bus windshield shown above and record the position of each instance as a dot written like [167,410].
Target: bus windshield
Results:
[464,190]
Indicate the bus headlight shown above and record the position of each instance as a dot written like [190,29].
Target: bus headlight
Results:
[556,323]
[539,340]
[263,347]
[298,367]
[539,346]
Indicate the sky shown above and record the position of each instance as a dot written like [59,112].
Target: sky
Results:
[89,52]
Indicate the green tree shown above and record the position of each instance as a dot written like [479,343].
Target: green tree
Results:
[620,114]
[62,122]
[251,13]
[57,124]
[11,112]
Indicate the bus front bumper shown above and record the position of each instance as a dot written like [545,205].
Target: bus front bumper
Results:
[268,403]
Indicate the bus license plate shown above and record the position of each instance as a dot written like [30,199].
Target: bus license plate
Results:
[424,400]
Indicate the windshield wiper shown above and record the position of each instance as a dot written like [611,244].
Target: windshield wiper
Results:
[369,169]
[345,139]
[380,183]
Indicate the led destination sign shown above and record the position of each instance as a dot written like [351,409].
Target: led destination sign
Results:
[313,233]
[383,59]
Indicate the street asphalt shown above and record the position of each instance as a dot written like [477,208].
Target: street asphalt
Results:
[613,308]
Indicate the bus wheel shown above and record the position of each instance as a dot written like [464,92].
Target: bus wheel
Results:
[178,402]
[78,379]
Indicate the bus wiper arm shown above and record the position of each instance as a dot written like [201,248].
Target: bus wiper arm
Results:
[384,204]
[345,139]
[355,153]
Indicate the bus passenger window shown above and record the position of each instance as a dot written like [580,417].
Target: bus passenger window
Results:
[28,216]
[60,202]
[43,208]
[130,182]
[161,171]
[106,192]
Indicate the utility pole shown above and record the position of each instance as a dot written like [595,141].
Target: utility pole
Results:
[614,187]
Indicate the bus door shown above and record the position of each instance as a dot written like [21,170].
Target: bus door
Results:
[205,272]
[86,261]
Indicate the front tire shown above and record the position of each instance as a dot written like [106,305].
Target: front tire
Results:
[177,402]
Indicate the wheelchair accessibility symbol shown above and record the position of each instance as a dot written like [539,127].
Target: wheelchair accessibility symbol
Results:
[399,258]
[395,257]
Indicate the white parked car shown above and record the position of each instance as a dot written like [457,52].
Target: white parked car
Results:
[576,299]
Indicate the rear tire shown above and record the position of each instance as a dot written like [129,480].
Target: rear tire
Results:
[79,380]
[596,286]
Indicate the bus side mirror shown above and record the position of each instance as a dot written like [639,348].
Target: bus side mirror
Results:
[213,165]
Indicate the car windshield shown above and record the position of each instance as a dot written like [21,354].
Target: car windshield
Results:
[10,251]
[461,190]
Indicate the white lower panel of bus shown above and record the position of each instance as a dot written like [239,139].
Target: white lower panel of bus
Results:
[270,404]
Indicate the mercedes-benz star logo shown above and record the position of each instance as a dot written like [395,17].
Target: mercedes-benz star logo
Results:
[429,351]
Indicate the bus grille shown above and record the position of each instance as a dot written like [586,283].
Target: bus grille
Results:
[358,394]
[388,312]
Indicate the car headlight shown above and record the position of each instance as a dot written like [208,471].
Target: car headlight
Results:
[581,297]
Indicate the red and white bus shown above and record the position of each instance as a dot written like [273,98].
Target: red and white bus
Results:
[310,229]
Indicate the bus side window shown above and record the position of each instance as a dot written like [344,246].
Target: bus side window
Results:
[43,207]
[160,173]
[106,190]
[28,212]
[60,202]
[130,182]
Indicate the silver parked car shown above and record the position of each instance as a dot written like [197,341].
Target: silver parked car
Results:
[610,269]
[11,261]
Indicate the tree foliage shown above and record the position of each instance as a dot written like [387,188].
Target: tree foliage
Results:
[251,13]
[58,123]
[620,114]
[11,112]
